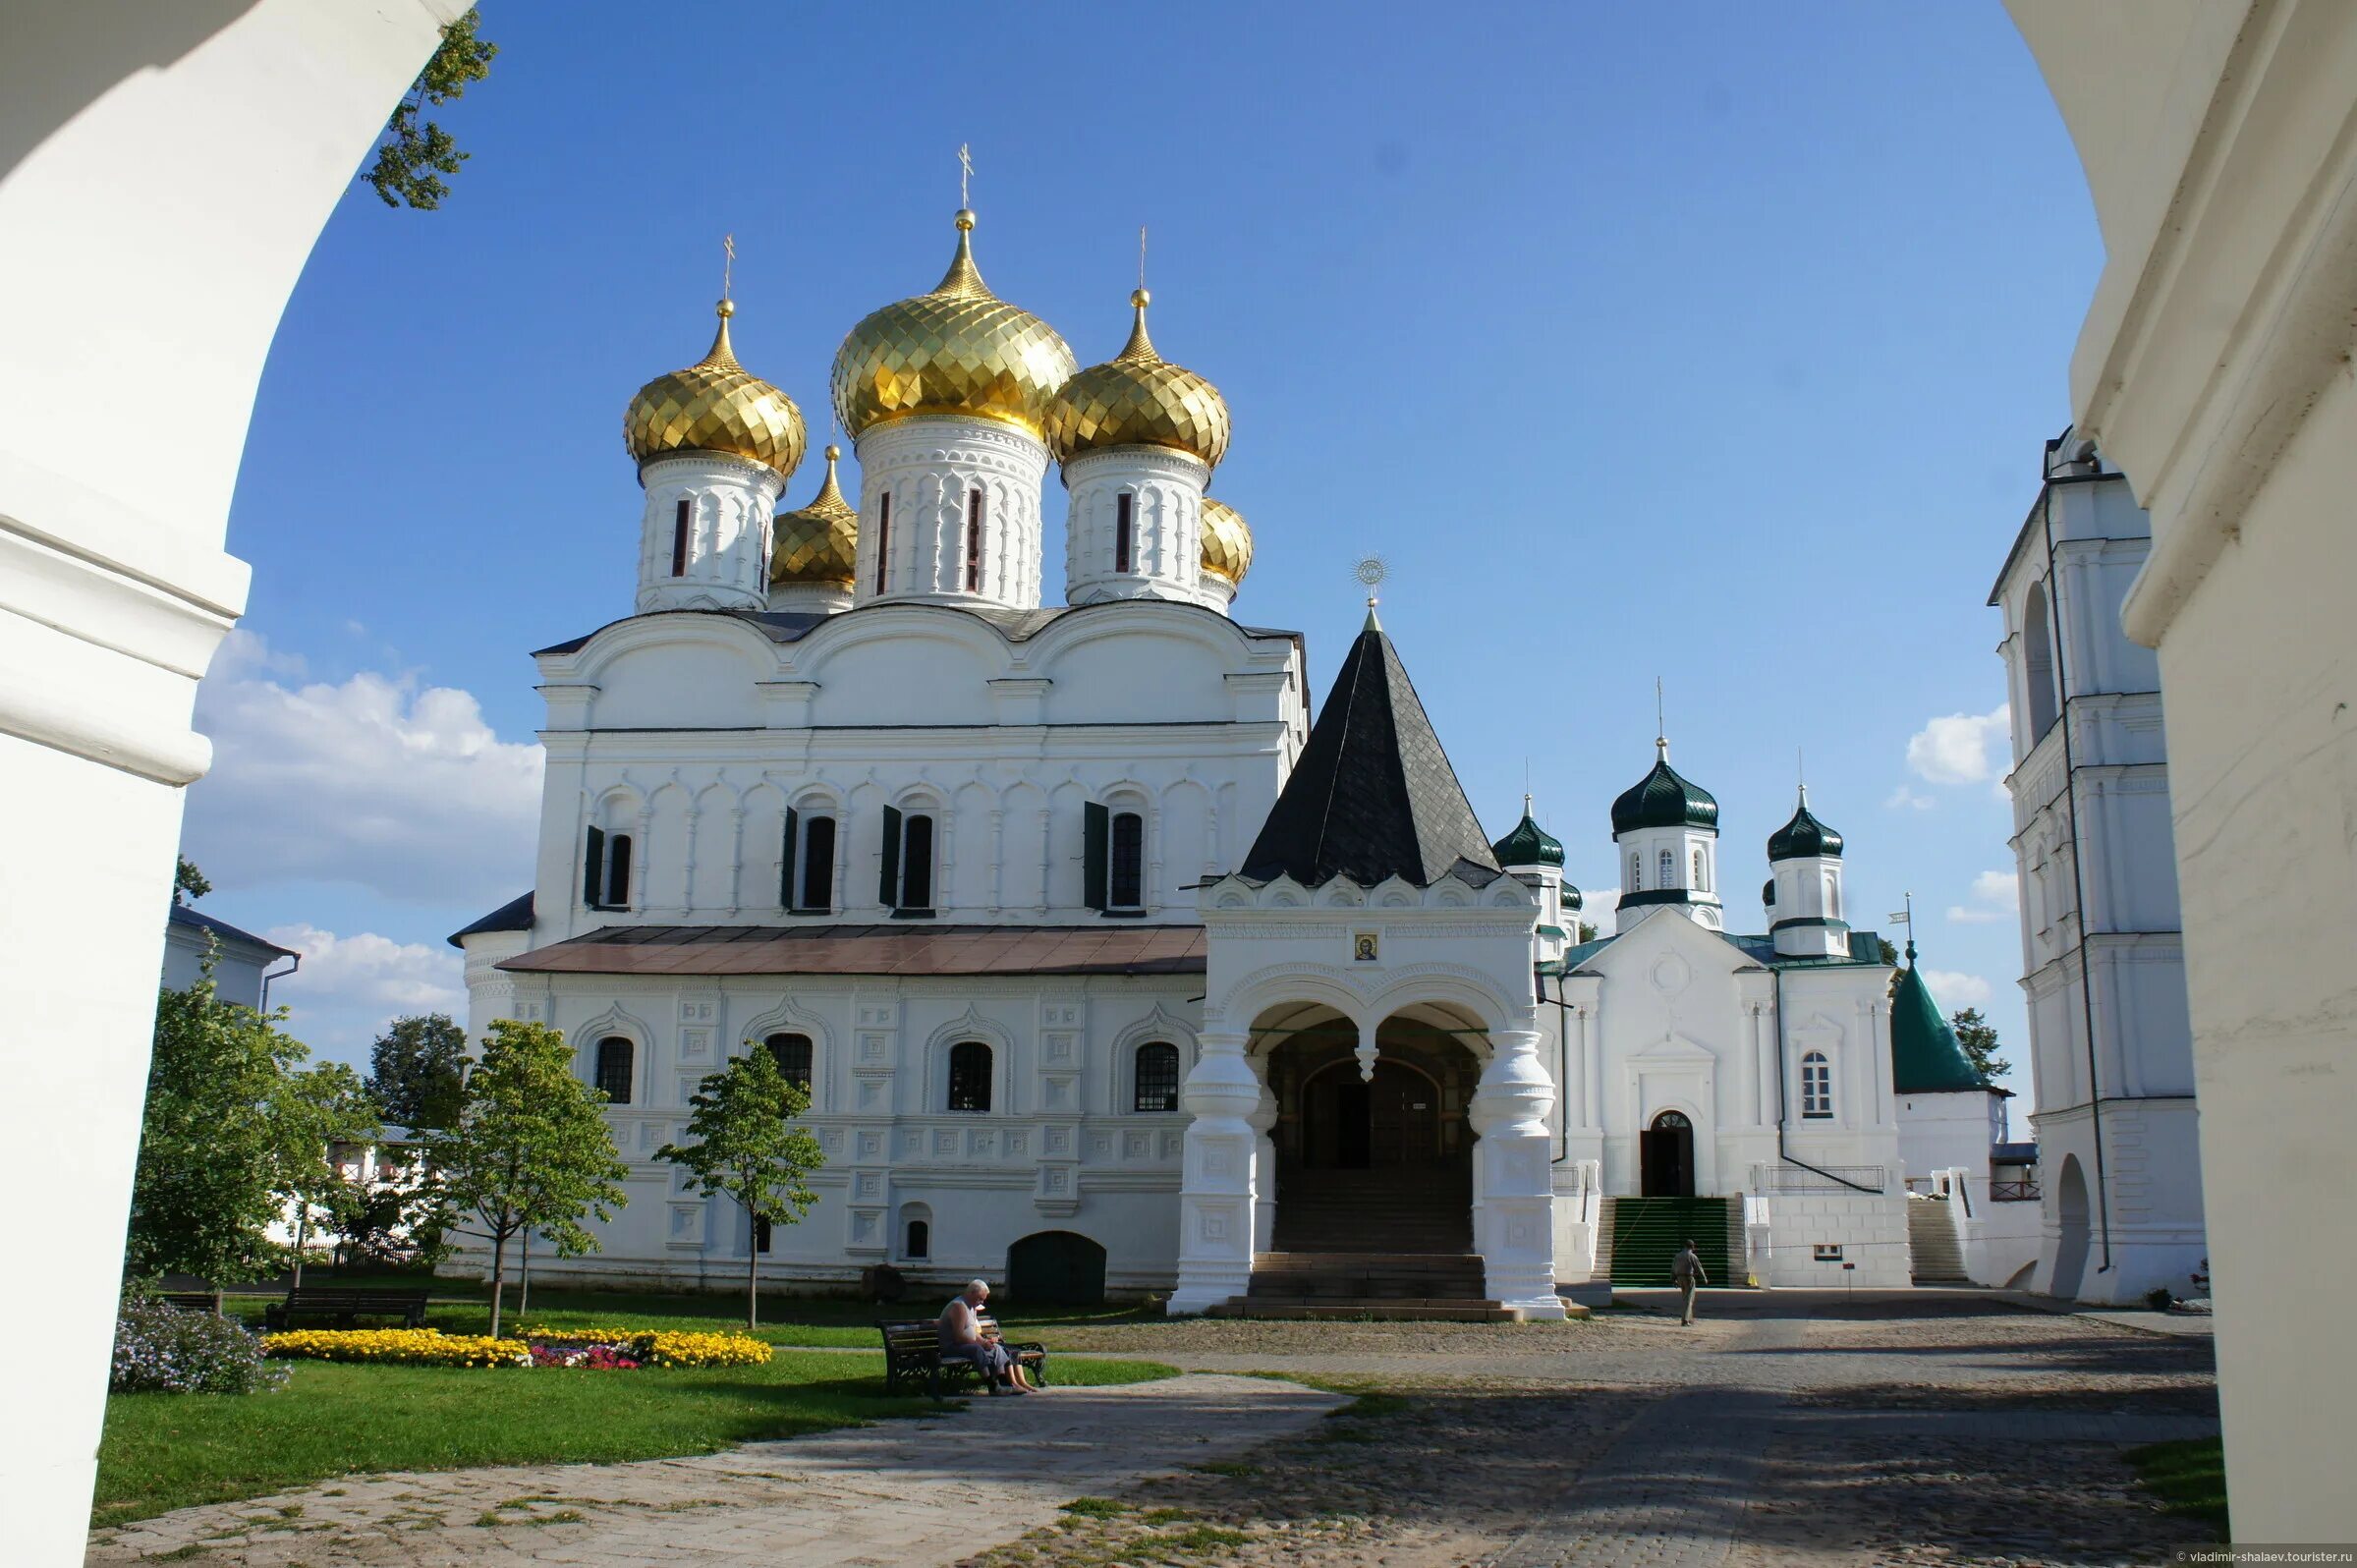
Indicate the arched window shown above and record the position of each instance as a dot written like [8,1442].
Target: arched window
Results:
[883,542]
[974,541]
[605,869]
[919,1243]
[792,1053]
[907,886]
[2037,661]
[1124,528]
[1702,871]
[1128,886]
[1817,1086]
[680,520]
[1833,895]
[813,859]
[616,1057]
[1635,872]
[1158,1087]
[969,1076]
[1669,869]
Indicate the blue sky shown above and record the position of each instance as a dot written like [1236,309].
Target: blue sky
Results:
[1710,342]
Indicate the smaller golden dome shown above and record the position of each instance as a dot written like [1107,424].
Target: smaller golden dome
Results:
[820,543]
[1226,542]
[715,405]
[1139,399]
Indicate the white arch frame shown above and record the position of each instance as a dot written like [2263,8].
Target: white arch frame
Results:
[968,1024]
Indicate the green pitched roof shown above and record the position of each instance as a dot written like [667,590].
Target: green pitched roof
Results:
[1924,1058]
[1664,798]
[1529,844]
[1804,837]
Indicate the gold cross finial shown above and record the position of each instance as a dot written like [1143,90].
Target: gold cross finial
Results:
[728,262]
[965,172]
[1660,724]
[1141,255]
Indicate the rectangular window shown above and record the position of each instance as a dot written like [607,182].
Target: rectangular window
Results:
[1128,890]
[679,539]
[617,872]
[883,542]
[1827,1251]
[819,864]
[974,541]
[916,864]
[1122,524]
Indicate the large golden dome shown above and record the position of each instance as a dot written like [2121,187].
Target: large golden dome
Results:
[1226,542]
[958,350]
[715,405]
[1139,399]
[818,542]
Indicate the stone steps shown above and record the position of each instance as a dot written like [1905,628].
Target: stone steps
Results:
[1449,1310]
[1935,1258]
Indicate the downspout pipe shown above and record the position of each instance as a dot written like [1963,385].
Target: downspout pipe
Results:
[1562,1064]
[2078,869]
[294,963]
[1784,1107]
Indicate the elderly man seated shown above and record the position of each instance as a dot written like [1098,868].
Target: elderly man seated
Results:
[963,1338]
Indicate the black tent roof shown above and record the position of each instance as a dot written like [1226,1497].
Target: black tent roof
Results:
[1373,795]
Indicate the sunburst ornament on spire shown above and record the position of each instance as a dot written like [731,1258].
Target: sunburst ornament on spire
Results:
[1370,571]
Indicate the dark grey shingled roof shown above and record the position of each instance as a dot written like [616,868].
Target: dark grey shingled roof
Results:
[1016,625]
[182,914]
[513,915]
[1373,795]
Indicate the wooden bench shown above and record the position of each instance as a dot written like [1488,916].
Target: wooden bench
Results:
[194,1301]
[342,1306]
[912,1353]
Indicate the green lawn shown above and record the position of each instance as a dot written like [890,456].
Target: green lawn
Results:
[2189,1478]
[798,1320]
[166,1451]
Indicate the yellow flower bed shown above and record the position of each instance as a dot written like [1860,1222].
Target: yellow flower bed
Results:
[664,1349]
[397,1347]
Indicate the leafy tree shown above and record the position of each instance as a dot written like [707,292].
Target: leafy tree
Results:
[316,1110]
[746,1147]
[189,884]
[411,156]
[1583,933]
[233,1127]
[418,1070]
[1978,1036]
[529,1150]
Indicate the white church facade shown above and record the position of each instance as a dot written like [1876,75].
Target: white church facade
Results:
[1107,968]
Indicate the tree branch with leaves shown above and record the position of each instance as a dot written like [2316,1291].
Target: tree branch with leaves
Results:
[744,1145]
[414,153]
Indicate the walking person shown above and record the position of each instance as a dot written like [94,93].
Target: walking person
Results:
[1686,1271]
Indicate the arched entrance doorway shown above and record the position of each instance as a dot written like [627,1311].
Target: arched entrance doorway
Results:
[1057,1265]
[1668,1153]
[1381,1163]
[2070,1238]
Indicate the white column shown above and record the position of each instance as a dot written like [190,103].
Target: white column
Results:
[1513,1222]
[1591,1035]
[1215,1193]
[1263,1172]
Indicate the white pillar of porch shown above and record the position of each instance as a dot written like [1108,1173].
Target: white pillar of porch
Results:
[1264,1171]
[1513,1218]
[1216,1191]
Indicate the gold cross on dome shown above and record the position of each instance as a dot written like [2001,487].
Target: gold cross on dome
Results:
[728,262]
[965,172]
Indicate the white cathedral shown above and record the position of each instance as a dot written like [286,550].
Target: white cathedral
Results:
[1108,967]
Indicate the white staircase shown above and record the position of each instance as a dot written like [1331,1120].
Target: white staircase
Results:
[1932,1240]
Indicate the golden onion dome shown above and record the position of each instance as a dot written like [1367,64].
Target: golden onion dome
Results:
[1226,542]
[959,349]
[818,542]
[1139,399]
[715,405]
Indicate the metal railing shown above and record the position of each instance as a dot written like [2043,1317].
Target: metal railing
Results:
[2023,1191]
[1783,1178]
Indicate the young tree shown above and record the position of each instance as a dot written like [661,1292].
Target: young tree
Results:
[314,1111]
[418,1070]
[233,1127]
[530,1148]
[411,156]
[189,884]
[746,1147]
[1978,1036]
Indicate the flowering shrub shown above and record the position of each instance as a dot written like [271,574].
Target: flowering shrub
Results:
[399,1347]
[161,1349]
[593,1358]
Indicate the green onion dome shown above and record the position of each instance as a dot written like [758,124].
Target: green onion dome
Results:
[1804,837]
[1663,798]
[1529,844]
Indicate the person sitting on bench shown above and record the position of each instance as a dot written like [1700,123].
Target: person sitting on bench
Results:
[963,1338]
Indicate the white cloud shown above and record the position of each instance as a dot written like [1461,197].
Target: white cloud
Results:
[1955,748]
[347,988]
[1952,989]
[378,781]
[1995,896]
[1903,797]
[1596,908]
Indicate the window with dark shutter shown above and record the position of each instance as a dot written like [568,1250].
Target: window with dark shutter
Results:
[1095,840]
[615,1059]
[1128,883]
[592,868]
[787,841]
[969,1076]
[883,542]
[1157,1085]
[916,864]
[974,541]
[679,537]
[819,864]
[1122,524]
[617,872]
[887,890]
[792,1053]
